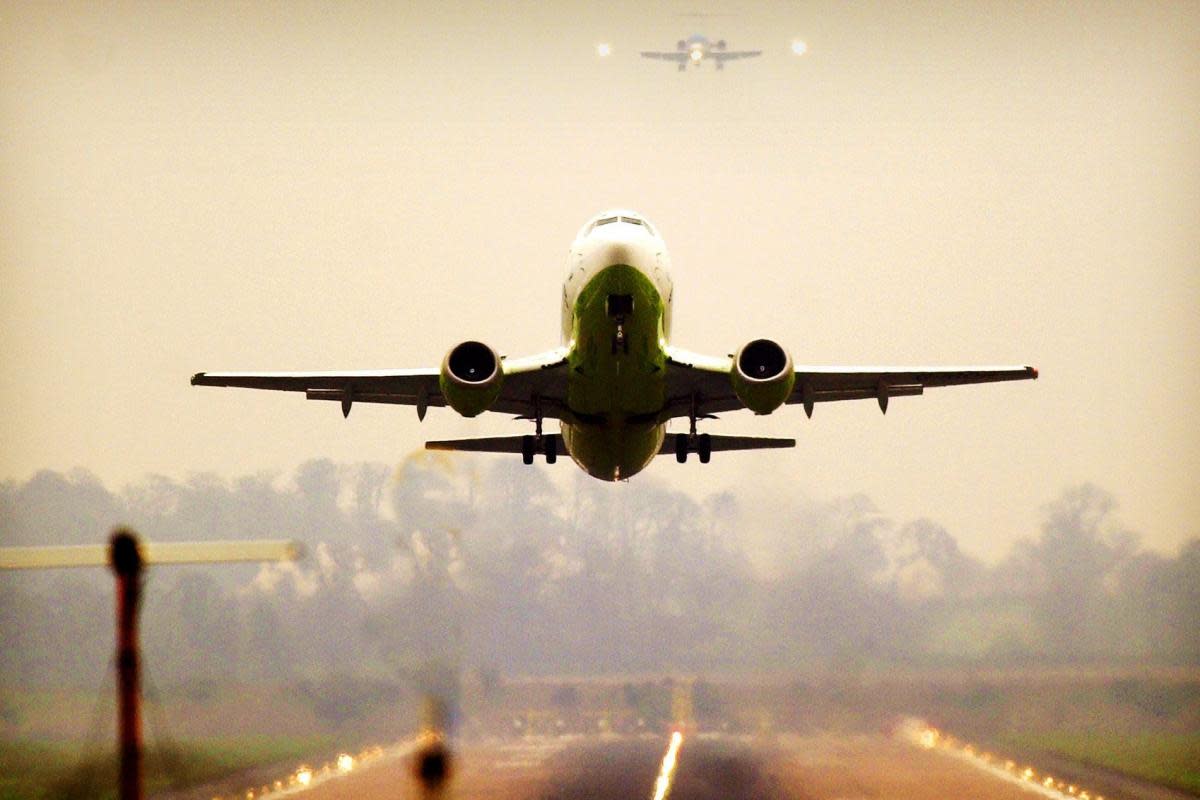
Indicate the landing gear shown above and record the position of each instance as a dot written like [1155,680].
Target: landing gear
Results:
[700,443]
[619,306]
[620,342]
[532,445]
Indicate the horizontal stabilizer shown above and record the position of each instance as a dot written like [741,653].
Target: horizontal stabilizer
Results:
[491,444]
[726,443]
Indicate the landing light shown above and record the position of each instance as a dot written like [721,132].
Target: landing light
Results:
[697,54]
[604,49]
[799,47]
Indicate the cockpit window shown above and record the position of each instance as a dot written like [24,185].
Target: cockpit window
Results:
[619,218]
[639,221]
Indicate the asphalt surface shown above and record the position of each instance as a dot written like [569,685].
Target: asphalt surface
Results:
[775,768]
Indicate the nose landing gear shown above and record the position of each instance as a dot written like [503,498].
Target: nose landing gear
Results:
[618,307]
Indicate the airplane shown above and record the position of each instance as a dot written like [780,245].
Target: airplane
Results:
[616,381]
[696,49]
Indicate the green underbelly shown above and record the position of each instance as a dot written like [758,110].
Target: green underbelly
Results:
[617,379]
[613,452]
[617,366]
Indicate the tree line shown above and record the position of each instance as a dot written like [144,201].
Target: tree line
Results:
[483,564]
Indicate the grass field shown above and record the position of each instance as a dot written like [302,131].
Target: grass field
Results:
[33,770]
[1168,759]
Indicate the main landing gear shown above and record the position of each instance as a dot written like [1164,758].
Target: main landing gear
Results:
[700,444]
[532,445]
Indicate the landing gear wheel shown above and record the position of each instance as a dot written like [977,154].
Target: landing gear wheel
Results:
[551,449]
[681,448]
[704,447]
[527,449]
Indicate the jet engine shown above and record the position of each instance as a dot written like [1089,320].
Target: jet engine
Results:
[471,377]
[681,45]
[762,376]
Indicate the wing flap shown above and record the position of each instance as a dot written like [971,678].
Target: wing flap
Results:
[673,55]
[340,395]
[531,383]
[397,381]
[702,382]
[733,55]
[835,378]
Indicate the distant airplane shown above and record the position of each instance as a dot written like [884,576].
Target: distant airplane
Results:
[696,49]
[615,382]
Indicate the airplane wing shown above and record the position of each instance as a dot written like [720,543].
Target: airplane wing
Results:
[733,55]
[704,381]
[673,55]
[530,383]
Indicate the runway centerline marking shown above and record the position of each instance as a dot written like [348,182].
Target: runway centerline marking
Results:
[662,785]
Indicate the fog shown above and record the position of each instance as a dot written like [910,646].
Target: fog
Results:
[362,185]
[449,564]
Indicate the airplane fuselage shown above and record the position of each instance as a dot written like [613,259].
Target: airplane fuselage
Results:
[616,322]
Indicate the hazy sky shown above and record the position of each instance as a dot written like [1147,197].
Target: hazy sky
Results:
[200,186]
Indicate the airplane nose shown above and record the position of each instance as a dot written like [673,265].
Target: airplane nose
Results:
[615,253]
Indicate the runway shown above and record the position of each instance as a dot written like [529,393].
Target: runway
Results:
[824,767]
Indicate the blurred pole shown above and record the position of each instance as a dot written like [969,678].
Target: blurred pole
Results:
[432,760]
[126,560]
[127,557]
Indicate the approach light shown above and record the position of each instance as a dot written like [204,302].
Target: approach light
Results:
[799,47]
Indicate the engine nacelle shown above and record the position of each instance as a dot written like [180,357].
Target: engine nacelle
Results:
[762,376]
[471,378]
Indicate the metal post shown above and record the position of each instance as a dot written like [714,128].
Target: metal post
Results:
[126,560]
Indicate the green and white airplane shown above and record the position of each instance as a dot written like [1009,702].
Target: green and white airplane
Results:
[616,381]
